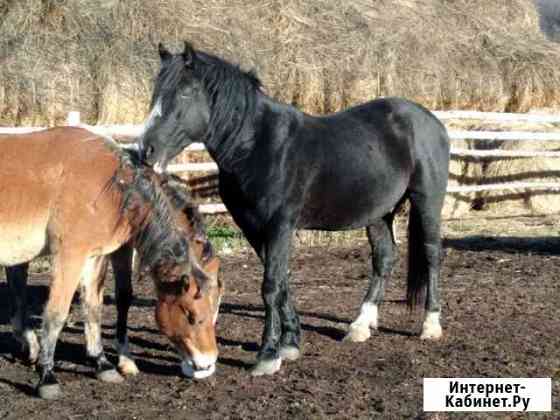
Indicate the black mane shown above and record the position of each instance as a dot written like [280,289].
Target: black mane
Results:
[232,93]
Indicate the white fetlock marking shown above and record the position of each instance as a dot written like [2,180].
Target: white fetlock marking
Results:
[359,330]
[431,329]
[368,315]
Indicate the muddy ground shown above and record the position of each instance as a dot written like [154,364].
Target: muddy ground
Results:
[501,318]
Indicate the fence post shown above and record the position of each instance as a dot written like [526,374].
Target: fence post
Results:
[73,119]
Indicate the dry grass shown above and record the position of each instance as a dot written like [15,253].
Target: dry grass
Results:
[323,55]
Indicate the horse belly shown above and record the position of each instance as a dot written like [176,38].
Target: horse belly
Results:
[22,241]
[349,203]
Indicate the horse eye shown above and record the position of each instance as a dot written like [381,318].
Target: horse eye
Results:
[187,92]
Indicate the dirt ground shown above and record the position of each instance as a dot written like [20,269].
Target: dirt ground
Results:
[501,318]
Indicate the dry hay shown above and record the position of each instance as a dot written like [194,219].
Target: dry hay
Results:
[100,57]
[471,171]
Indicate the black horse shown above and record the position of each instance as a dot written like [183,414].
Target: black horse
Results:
[282,170]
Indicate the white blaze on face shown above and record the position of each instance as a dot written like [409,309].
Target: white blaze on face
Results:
[154,114]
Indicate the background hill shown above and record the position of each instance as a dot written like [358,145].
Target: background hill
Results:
[100,57]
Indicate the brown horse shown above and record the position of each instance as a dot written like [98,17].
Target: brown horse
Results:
[74,195]
[178,193]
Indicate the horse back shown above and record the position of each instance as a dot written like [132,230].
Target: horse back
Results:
[359,163]
[53,184]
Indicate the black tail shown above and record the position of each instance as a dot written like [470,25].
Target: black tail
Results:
[417,281]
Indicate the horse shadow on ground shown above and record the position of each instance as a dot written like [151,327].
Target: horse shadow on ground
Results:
[542,245]
[334,333]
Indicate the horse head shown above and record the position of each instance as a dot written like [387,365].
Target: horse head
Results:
[180,110]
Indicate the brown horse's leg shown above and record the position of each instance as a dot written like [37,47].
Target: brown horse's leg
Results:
[24,334]
[92,282]
[67,268]
[121,261]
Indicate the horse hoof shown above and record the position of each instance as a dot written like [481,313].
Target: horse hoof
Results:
[431,328]
[357,334]
[49,392]
[289,353]
[433,333]
[127,366]
[111,376]
[266,367]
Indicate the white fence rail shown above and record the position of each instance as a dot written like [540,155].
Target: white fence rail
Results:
[131,130]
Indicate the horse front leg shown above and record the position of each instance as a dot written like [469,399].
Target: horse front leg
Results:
[121,260]
[92,281]
[275,295]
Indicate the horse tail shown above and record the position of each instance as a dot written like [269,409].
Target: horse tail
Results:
[417,278]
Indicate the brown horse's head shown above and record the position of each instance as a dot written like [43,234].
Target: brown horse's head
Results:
[189,317]
[186,312]
[174,249]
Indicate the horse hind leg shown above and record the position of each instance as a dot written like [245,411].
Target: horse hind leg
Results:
[425,259]
[121,261]
[92,281]
[23,333]
[380,237]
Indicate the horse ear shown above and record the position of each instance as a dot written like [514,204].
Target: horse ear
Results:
[164,54]
[188,54]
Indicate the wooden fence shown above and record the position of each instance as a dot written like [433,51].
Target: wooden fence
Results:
[129,130]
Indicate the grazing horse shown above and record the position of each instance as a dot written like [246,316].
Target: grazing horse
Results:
[71,194]
[178,193]
[282,170]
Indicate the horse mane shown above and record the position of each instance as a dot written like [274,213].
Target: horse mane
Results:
[178,191]
[233,105]
[145,202]
[232,95]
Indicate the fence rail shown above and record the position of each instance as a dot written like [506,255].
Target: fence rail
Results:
[132,130]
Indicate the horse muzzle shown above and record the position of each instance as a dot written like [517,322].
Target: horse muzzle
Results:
[199,367]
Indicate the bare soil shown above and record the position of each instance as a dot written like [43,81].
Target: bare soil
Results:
[501,318]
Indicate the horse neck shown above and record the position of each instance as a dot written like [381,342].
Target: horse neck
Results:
[157,233]
[270,122]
